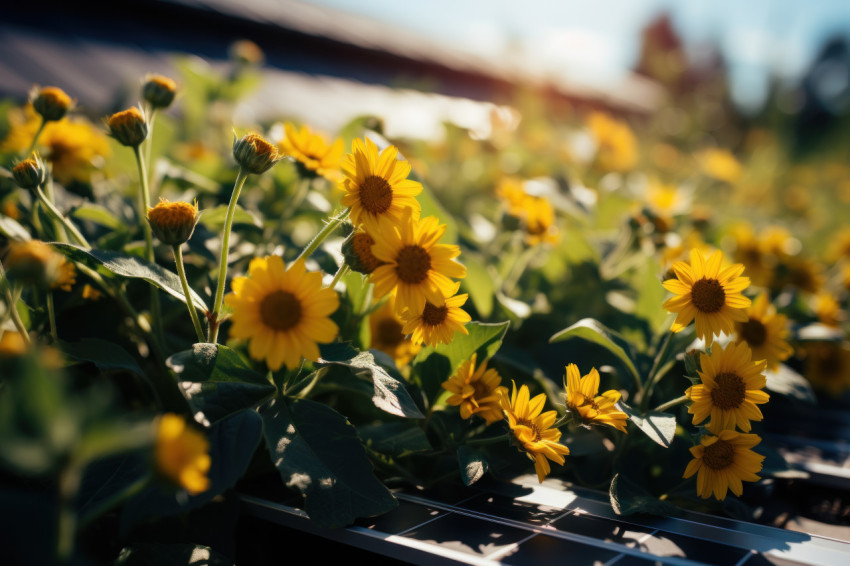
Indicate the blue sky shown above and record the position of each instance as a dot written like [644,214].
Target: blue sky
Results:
[598,38]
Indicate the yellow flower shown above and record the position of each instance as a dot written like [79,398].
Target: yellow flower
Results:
[803,273]
[476,391]
[532,430]
[511,193]
[840,246]
[376,186]
[173,222]
[283,312]
[182,454]
[66,277]
[312,150]
[416,269]
[536,213]
[74,148]
[34,263]
[12,344]
[765,333]
[707,293]
[581,396]
[616,144]
[437,324]
[828,366]
[722,462]
[388,337]
[720,164]
[749,251]
[731,388]
[827,309]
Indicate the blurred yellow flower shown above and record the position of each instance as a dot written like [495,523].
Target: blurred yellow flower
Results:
[535,212]
[720,164]
[581,396]
[827,309]
[765,333]
[616,144]
[283,312]
[532,430]
[708,294]
[182,454]
[828,366]
[722,462]
[437,324]
[476,391]
[416,268]
[376,185]
[387,335]
[840,246]
[312,150]
[731,388]
[12,344]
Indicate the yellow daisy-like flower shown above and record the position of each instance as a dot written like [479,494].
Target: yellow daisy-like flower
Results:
[416,268]
[581,396]
[540,222]
[283,312]
[827,309]
[182,454]
[722,462]
[376,185]
[476,391]
[532,430]
[74,148]
[437,324]
[720,164]
[731,388]
[765,333]
[312,150]
[616,143]
[707,293]
[388,336]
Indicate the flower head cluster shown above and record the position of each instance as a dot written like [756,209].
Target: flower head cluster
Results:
[477,391]
[313,152]
[534,212]
[582,397]
[765,332]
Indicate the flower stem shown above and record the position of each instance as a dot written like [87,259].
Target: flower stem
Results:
[487,441]
[212,336]
[340,273]
[654,373]
[672,403]
[144,203]
[51,315]
[12,297]
[181,272]
[332,225]
[75,233]
[35,137]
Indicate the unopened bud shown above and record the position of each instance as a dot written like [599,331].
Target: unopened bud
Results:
[128,127]
[33,263]
[50,102]
[246,52]
[173,222]
[357,250]
[159,91]
[254,154]
[29,173]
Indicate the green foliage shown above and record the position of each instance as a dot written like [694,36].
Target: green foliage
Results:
[595,332]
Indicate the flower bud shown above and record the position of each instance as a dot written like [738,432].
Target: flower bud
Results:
[128,127]
[173,222]
[29,173]
[357,250]
[33,263]
[50,102]
[159,91]
[254,154]
[246,52]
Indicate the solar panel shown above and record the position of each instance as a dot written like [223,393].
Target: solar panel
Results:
[554,523]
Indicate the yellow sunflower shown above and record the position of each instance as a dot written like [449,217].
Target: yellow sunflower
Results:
[765,333]
[532,430]
[827,309]
[722,462]
[182,454]
[616,145]
[376,185]
[581,396]
[707,293]
[312,150]
[476,391]
[388,337]
[416,268]
[283,312]
[437,324]
[731,388]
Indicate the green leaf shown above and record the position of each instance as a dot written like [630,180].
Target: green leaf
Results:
[131,267]
[105,355]
[597,333]
[479,284]
[788,382]
[232,444]
[473,464]
[213,218]
[318,452]
[660,427]
[217,382]
[178,554]
[99,215]
[628,498]
[433,365]
[390,394]
[396,439]
[10,228]
[650,294]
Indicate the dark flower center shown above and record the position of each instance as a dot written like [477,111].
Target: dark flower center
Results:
[412,264]
[376,195]
[754,332]
[728,392]
[280,310]
[434,316]
[719,455]
[708,295]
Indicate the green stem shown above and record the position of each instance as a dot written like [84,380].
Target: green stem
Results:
[487,441]
[58,227]
[181,272]
[517,269]
[151,111]
[672,403]
[75,233]
[144,203]
[12,304]
[212,336]
[340,273]
[35,138]
[654,373]
[329,228]
[51,315]
[111,502]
